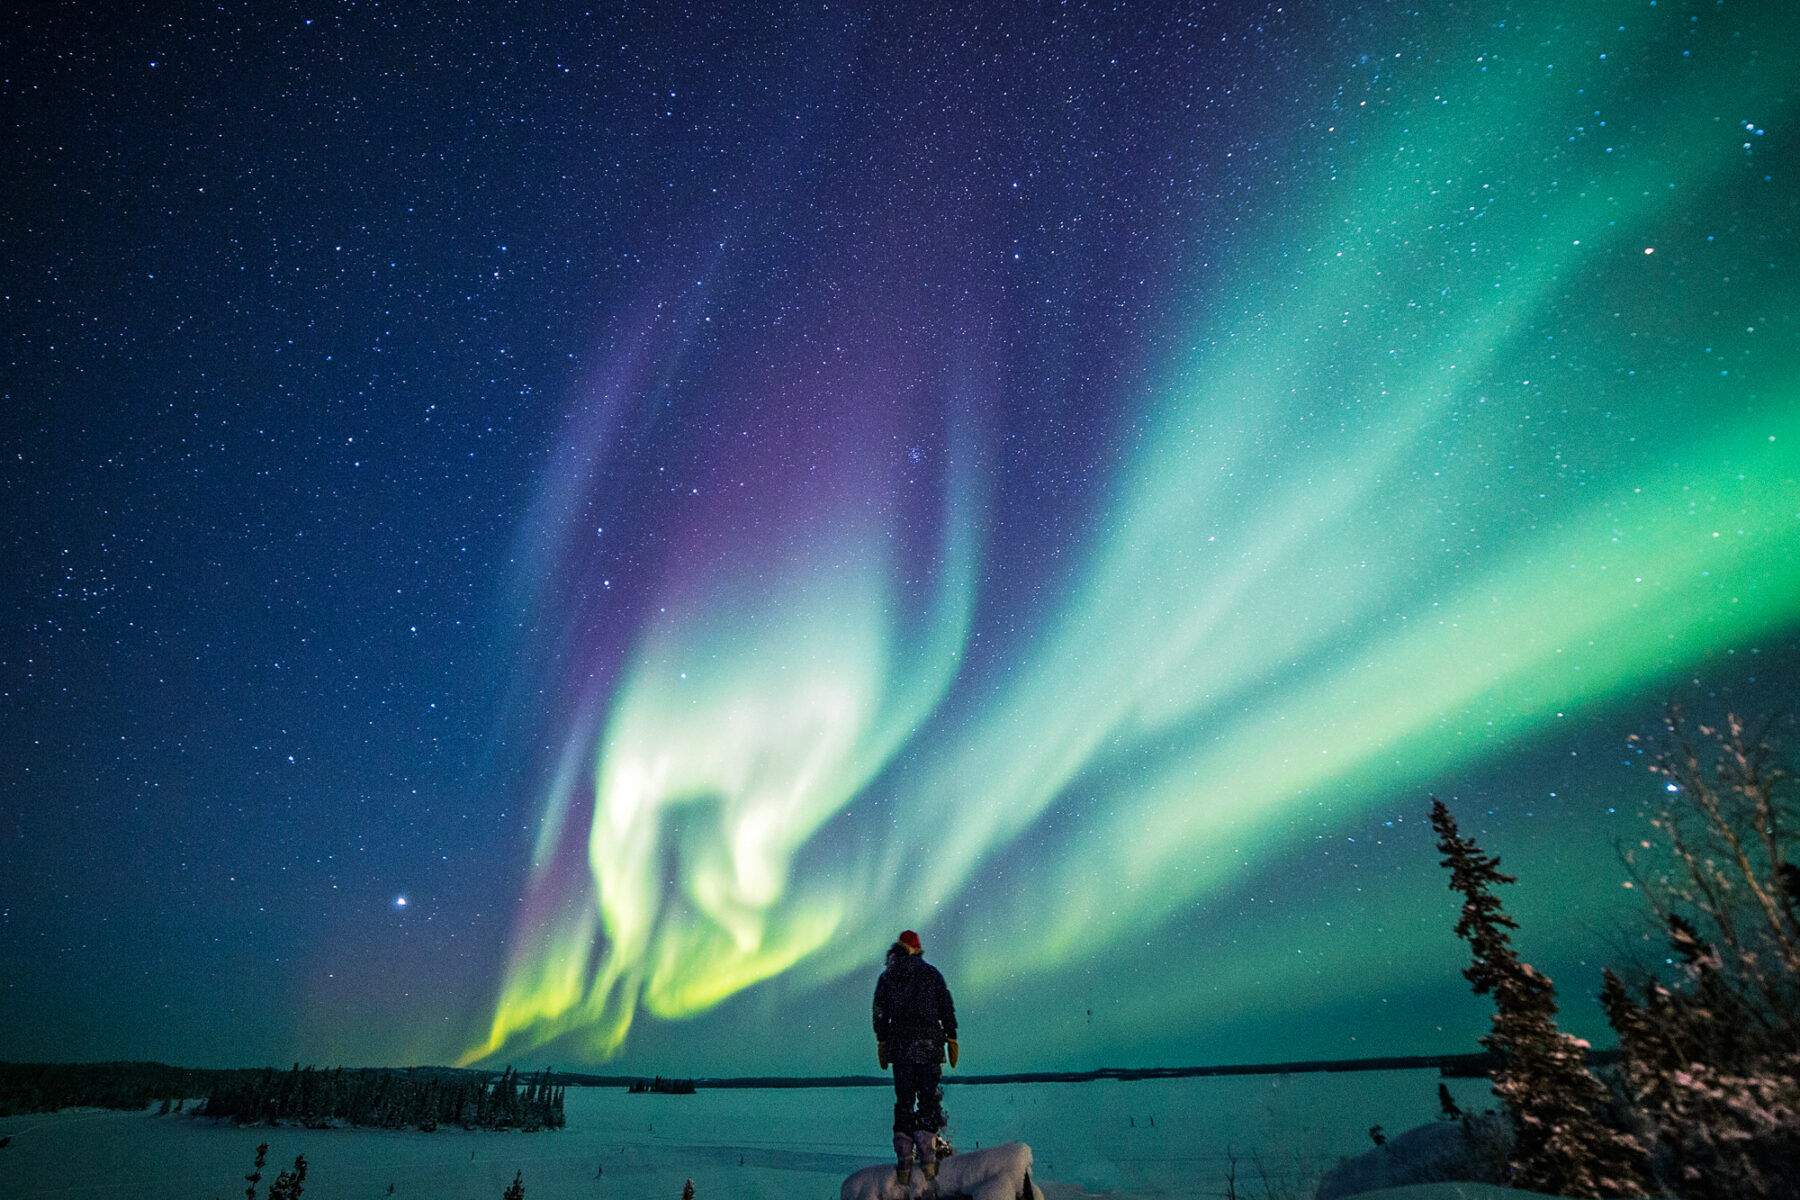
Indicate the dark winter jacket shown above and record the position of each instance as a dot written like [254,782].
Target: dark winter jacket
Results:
[914,1015]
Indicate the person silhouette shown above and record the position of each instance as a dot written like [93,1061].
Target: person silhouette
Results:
[915,1031]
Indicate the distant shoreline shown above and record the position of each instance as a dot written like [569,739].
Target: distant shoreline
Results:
[164,1080]
[1453,1065]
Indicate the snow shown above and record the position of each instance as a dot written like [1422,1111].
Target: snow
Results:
[997,1173]
[1453,1191]
[1145,1140]
[1437,1152]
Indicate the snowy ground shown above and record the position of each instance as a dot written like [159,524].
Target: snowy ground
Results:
[1133,1141]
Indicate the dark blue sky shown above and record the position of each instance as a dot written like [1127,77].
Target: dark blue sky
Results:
[1039,437]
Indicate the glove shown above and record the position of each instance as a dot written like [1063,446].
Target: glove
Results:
[881,1054]
[952,1049]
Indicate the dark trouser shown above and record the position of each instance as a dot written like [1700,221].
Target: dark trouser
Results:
[918,1098]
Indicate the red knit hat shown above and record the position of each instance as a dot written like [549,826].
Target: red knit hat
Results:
[910,940]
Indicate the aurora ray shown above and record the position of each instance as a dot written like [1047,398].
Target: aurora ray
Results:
[1488,428]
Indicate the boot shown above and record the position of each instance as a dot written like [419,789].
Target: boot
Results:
[926,1140]
[903,1159]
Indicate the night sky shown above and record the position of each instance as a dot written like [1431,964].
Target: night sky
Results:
[550,536]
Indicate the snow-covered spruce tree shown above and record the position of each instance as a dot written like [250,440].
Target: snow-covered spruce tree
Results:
[1560,1143]
[1712,1057]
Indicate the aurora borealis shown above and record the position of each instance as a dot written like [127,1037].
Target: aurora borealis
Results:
[1068,482]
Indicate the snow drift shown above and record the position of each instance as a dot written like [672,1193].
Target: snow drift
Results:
[1471,1151]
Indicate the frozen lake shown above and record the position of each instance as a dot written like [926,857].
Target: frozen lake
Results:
[1155,1138]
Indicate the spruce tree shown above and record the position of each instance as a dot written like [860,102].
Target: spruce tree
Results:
[255,1175]
[1560,1143]
[1711,1048]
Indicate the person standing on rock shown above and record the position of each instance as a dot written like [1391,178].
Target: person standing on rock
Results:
[915,1030]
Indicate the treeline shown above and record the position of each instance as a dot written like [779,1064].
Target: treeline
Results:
[420,1098]
[666,1087]
[47,1087]
[384,1098]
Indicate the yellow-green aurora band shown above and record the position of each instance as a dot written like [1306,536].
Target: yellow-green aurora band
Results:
[1501,420]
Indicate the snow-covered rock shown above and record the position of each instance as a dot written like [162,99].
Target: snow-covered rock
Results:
[997,1173]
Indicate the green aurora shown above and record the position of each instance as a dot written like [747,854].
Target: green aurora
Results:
[1489,421]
